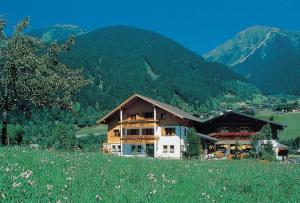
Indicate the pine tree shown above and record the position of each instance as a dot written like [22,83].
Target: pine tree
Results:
[31,74]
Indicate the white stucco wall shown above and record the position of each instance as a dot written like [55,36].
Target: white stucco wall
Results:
[176,140]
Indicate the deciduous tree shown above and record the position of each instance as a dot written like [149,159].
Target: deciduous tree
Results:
[32,75]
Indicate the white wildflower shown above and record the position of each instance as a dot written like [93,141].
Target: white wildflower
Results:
[49,187]
[98,197]
[153,192]
[69,178]
[26,174]
[30,182]
[15,185]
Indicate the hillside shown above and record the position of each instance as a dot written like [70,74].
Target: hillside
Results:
[291,119]
[268,57]
[57,33]
[123,60]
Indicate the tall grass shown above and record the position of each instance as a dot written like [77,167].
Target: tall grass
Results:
[49,176]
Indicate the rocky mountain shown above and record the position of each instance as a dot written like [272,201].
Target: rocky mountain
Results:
[57,33]
[121,60]
[268,57]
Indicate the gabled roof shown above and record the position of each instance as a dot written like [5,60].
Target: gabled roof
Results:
[171,109]
[245,115]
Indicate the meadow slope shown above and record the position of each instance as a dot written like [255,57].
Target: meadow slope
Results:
[291,119]
[48,176]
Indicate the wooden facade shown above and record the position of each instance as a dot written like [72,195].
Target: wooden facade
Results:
[233,126]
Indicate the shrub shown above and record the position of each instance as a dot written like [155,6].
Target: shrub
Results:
[91,142]
[192,142]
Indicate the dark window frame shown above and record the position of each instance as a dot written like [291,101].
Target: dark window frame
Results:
[170,131]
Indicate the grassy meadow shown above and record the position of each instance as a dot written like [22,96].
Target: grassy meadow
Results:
[96,130]
[51,176]
[292,119]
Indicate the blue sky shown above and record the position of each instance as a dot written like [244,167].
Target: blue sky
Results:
[198,25]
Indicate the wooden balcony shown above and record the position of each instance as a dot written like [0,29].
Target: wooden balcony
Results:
[138,122]
[139,139]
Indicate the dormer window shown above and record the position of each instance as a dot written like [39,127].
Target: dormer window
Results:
[244,129]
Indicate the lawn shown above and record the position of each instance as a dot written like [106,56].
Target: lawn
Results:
[292,119]
[49,176]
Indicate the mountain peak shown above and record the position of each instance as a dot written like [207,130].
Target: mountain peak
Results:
[261,52]
[57,33]
[243,45]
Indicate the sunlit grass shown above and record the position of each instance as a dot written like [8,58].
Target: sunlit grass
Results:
[99,129]
[48,176]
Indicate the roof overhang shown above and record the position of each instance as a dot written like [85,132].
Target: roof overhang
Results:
[247,116]
[207,137]
[151,101]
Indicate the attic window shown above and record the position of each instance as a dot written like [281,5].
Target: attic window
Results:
[163,116]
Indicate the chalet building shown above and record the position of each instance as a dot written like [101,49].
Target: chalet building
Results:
[231,126]
[146,127]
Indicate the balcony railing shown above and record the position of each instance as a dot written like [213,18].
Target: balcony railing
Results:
[145,120]
[139,139]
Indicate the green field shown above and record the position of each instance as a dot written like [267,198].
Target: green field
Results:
[292,119]
[99,129]
[49,176]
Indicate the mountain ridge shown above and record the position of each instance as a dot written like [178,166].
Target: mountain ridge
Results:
[261,51]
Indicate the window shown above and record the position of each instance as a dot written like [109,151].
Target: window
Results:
[136,148]
[165,148]
[172,149]
[244,129]
[116,148]
[224,129]
[163,116]
[148,115]
[133,148]
[117,133]
[139,148]
[132,116]
[148,131]
[133,132]
[185,132]
[170,131]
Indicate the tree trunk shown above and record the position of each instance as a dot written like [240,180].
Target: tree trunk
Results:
[5,138]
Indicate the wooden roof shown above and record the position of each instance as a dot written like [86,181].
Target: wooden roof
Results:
[226,113]
[171,109]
